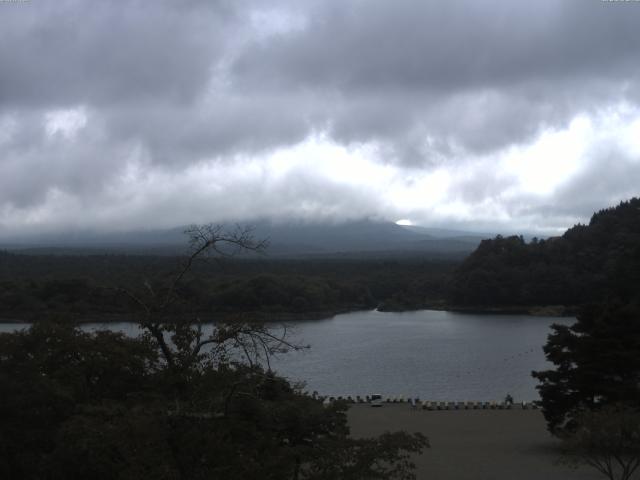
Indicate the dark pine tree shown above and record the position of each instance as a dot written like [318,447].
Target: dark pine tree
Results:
[597,362]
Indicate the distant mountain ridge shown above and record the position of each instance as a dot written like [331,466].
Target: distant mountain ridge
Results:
[285,239]
[360,236]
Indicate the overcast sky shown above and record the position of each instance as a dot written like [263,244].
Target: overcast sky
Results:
[486,114]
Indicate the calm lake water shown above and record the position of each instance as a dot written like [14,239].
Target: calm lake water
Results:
[431,354]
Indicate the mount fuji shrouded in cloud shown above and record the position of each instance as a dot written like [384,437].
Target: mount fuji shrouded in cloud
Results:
[285,239]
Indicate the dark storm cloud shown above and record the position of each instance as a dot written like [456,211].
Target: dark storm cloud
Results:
[459,44]
[166,86]
[178,134]
[68,52]
[135,66]
[35,161]
[482,73]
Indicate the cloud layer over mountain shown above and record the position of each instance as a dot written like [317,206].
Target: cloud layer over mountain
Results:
[474,113]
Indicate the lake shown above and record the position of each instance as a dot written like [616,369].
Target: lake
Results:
[431,354]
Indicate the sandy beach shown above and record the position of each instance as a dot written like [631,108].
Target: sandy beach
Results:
[473,444]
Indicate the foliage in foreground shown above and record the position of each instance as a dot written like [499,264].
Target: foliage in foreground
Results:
[607,439]
[103,406]
[177,402]
[597,363]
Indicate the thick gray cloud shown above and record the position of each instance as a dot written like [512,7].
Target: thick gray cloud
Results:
[460,44]
[118,113]
[68,52]
[482,73]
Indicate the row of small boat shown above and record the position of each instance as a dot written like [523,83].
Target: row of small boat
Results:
[434,405]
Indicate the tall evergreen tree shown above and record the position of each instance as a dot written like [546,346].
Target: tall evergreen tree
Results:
[597,362]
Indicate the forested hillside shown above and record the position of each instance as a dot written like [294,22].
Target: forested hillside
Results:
[33,287]
[589,263]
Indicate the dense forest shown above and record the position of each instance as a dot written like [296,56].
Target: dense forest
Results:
[90,286]
[589,263]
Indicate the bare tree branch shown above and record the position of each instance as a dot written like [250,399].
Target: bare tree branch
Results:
[188,342]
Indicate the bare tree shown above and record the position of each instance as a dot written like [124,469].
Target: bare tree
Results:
[607,440]
[183,341]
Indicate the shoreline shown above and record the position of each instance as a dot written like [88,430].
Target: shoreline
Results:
[229,317]
[284,317]
[532,310]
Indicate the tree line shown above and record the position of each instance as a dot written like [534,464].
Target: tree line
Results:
[588,263]
[33,286]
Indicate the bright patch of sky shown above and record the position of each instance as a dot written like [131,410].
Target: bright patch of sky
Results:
[551,160]
[65,123]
